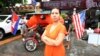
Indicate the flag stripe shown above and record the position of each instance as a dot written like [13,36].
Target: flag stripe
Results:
[78,18]
[15,22]
[16,27]
[78,25]
[81,25]
[75,25]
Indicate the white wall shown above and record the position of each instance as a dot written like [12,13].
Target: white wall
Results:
[29,1]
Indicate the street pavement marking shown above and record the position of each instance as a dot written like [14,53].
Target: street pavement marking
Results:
[9,40]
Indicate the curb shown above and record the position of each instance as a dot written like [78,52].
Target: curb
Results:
[10,40]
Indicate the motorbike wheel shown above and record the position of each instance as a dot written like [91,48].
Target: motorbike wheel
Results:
[30,45]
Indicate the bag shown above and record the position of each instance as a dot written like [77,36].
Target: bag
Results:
[85,36]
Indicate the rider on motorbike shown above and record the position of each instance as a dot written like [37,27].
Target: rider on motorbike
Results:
[37,24]
[43,20]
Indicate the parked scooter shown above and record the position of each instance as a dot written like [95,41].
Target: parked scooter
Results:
[32,38]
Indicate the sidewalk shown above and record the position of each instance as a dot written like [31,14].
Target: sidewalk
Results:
[10,40]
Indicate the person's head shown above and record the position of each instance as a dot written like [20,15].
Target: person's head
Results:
[55,14]
[38,5]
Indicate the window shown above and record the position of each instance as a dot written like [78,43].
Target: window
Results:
[2,18]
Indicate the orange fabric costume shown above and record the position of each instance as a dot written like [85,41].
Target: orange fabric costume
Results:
[61,20]
[35,19]
[55,50]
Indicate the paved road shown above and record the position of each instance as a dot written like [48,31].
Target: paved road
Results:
[16,48]
[79,48]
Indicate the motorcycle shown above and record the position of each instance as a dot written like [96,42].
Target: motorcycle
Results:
[32,38]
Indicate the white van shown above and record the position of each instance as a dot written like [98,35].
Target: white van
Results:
[5,25]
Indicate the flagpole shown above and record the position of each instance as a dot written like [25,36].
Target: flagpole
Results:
[74,12]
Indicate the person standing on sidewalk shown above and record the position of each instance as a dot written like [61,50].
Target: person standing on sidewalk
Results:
[67,23]
[53,36]
[23,25]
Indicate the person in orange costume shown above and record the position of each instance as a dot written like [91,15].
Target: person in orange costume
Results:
[53,36]
[37,19]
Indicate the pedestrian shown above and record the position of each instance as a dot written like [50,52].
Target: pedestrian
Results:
[53,36]
[67,23]
[23,25]
[38,7]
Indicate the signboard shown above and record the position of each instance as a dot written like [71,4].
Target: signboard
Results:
[96,0]
[67,4]
[96,3]
[63,4]
[94,39]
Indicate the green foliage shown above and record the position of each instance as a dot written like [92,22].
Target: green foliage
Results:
[6,3]
[25,1]
[63,15]
[1,3]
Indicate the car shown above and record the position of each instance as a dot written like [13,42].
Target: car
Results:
[5,25]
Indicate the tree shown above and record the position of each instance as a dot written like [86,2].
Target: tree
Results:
[6,3]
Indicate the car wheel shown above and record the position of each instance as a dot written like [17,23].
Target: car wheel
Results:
[1,34]
[30,45]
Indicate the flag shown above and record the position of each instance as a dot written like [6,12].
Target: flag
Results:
[78,21]
[82,15]
[15,22]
